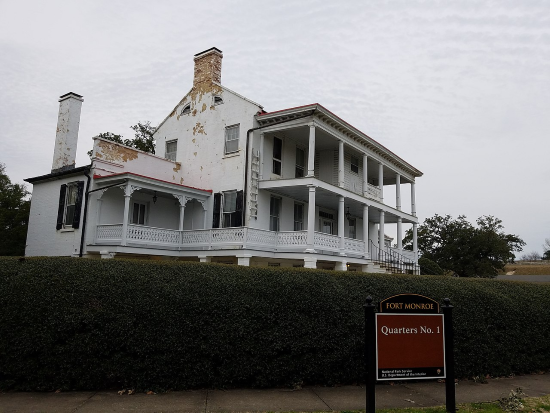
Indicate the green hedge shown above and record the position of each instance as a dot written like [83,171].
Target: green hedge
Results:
[94,324]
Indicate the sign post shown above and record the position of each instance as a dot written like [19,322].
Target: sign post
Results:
[412,340]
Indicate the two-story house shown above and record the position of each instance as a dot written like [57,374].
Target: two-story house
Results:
[229,183]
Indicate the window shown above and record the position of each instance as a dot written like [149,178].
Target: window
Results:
[218,100]
[138,214]
[326,222]
[171,149]
[300,163]
[186,109]
[229,208]
[298,216]
[352,227]
[70,204]
[354,164]
[277,155]
[274,213]
[232,139]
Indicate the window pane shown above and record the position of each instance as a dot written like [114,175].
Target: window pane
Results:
[69,215]
[141,214]
[300,157]
[276,167]
[232,139]
[230,201]
[277,148]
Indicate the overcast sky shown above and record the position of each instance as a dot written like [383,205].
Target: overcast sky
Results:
[459,89]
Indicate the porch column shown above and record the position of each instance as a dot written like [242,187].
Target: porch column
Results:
[182,213]
[311,151]
[205,258]
[98,212]
[244,260]
[366,229]
[341,180]
[398,192]
[341,219]
[311,219]
[127,194]
[310,262]
[415,241]
[381,232]
[399,234]
[413,200]
[365,175]
[381,181]
[262,141]
[341,266]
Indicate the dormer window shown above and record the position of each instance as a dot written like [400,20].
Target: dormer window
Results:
[186,109]
[218,100]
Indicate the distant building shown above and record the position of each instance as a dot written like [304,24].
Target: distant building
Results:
[229,183]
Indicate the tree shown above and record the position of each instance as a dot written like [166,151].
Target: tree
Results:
[143,138]
[532,256]
[456,245]
[14,215]
[546,248]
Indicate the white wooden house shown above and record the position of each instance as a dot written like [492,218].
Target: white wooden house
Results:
[229,183]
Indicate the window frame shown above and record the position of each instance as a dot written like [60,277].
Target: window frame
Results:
[166,153]
[186,109]
[298,223]
[142,212]
[228,130]
[275,220]
[72,189]
[299,171]
[277,161]
[354,164]
[352,235]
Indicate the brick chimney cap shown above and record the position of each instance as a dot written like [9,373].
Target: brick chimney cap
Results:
[211,49]
[70,95]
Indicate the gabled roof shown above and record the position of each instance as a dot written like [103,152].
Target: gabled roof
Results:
[319,111]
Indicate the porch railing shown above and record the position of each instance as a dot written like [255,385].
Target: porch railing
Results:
[393,260]
[241,237]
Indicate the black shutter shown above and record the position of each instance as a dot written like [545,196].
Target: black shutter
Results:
[78,204]
[216,214]
[238,214]
[61,209]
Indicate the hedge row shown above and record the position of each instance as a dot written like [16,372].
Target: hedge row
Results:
[95,324]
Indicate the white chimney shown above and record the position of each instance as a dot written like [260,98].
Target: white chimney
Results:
[66,137]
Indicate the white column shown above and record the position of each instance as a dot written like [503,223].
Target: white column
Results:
[365,174]
[398,192]
[204,258]
[311,219]
[127,195]
[182,213]
[311,152]
[341,219]
[341,180]
[399,234]
[366,229]
[415,241]
[381,181]
[413,200]
[381,232]
[262,141]
[98,213]
[341,266]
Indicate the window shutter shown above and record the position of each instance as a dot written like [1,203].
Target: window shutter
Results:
[216,214]
[78,204]
[239,210]
[61,209]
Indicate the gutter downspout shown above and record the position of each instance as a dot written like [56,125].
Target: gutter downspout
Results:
[248,134]
[86,199]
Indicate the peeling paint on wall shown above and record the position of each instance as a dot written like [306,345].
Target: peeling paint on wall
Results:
[203,107]
[198,128]
[115,153]
[177,167]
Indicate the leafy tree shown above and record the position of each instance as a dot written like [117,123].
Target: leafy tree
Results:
[546,248]
[14,215]
[143,138]
[456,245]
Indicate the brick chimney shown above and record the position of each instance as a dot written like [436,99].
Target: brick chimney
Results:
[208,67]
[66,137]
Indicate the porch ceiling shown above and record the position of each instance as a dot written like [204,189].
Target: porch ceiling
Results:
[327,196]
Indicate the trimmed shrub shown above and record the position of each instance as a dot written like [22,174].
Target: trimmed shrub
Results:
[429,267]
[94,324]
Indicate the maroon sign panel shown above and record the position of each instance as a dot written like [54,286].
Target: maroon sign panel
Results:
[410,340]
